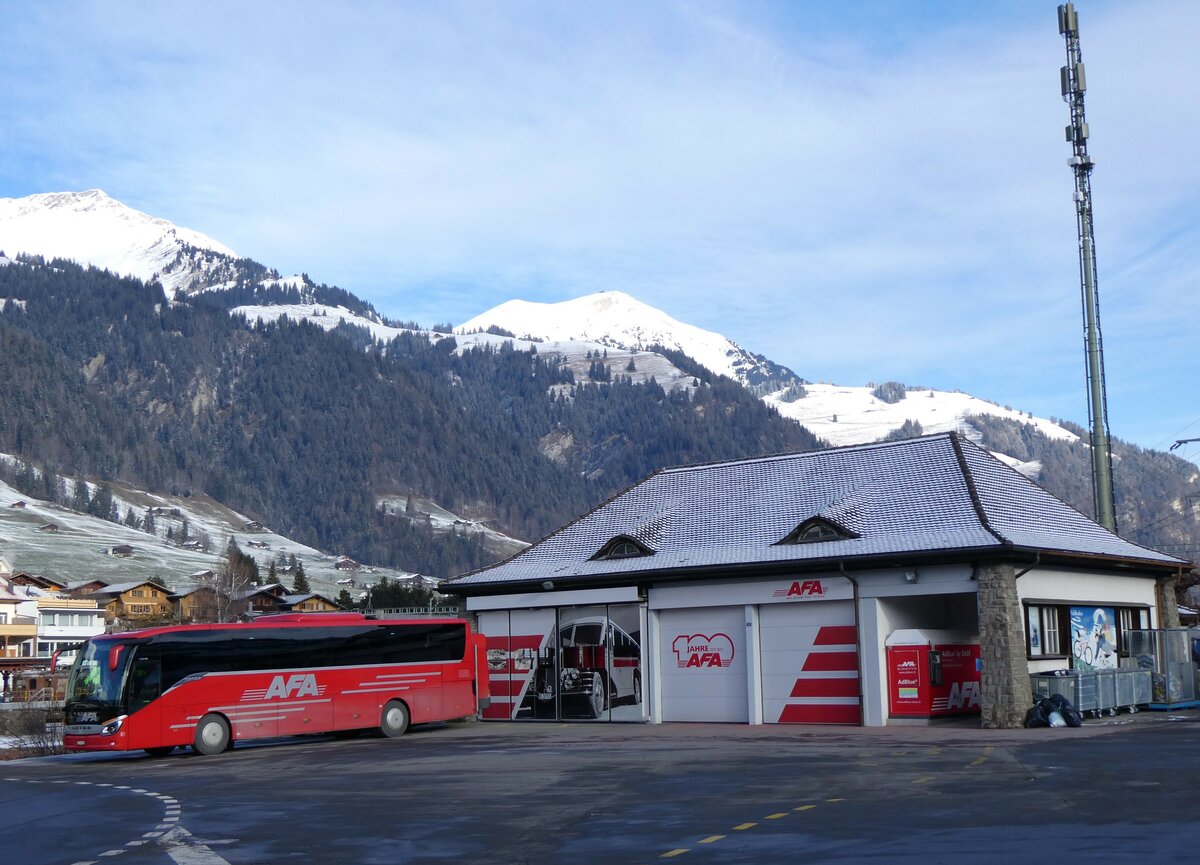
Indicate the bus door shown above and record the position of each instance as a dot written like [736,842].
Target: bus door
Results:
[142,688]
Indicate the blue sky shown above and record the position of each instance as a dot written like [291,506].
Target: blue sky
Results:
[865,193]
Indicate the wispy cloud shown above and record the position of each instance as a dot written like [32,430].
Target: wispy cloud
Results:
[861,194]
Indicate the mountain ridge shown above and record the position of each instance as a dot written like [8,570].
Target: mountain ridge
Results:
[574,410]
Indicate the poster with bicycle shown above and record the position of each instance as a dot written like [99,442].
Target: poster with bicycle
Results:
[1093,638]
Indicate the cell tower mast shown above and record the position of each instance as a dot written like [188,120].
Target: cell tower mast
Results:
[1073,86]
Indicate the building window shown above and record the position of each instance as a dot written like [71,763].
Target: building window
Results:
[139,593]
[1130,619]
[1043,631]
[622,547]
[815,530]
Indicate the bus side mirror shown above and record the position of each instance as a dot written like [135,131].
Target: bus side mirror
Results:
[114,655]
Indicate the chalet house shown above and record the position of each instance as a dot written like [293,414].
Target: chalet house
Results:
[195,546]
[271,598]
[86,588]
[258,545]
[345,563]
[201,603]
[122,550]
[51,528]
[132,601]
[311,603]
[20,503]
[253,526]
[36,580]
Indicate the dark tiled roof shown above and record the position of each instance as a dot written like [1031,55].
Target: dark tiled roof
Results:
[936,494]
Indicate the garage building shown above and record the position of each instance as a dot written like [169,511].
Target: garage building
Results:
[858,585]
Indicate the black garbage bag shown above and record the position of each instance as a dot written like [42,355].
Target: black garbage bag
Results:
[1060,704]
[1058,701]
[1037,716]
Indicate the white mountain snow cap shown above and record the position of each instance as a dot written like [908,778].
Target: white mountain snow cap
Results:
[92,228]
[611,318]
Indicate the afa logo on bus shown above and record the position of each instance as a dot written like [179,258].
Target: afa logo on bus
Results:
[298,685]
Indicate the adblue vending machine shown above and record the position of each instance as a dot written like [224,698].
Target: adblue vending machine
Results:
[932,674]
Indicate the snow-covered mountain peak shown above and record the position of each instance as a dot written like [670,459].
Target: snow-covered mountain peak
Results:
[92,228]
[616,319]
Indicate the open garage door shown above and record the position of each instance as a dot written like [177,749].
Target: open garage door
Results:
[703,664]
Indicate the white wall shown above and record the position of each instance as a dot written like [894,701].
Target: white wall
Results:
[1101,590]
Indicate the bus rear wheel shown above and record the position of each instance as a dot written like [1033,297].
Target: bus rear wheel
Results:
[394,720]
[212,735]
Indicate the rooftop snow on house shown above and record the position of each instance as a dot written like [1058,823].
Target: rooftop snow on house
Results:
[929,495]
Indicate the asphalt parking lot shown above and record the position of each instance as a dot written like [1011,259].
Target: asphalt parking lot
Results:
[687,793]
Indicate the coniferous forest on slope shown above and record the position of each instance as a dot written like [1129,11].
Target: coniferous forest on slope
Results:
[302,428]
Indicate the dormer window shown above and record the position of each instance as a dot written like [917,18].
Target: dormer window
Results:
[816,530]
[622,547]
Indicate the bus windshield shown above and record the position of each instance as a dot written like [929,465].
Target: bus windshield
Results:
[99,672]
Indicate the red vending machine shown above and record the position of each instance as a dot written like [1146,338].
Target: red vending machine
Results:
[932,674]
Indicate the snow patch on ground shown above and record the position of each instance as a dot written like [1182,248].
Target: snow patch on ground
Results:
[78,550]
[443,520]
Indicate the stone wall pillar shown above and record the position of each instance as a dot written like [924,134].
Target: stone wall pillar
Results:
[1168,604]
[1005,693]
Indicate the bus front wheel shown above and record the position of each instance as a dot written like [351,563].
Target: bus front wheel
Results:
[394,720]
[212,735]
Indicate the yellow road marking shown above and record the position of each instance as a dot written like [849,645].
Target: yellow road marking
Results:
[742,826]
[805,808]
[835,800]
[678,851]
[924,780]
[978,761]
[711,838]
[776,815]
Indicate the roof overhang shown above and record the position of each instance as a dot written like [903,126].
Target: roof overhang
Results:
[1023,556]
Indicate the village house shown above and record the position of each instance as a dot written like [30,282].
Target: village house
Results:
[198,602]
[128,602]
[64,622]
[18,622]
[313,602]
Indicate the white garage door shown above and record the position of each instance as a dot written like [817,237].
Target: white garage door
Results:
[809,663]
[703,664]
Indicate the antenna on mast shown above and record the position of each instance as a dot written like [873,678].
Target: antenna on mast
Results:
[1074,83]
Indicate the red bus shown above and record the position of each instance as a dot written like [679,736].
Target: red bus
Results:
[209,686]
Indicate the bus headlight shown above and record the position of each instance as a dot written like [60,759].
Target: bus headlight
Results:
[110,729]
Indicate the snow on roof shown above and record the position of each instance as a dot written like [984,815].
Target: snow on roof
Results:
[937,493]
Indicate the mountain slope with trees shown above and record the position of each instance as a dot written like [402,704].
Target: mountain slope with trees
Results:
[305,429]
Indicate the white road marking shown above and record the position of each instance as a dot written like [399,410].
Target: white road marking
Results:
[177,842]
[186,850]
